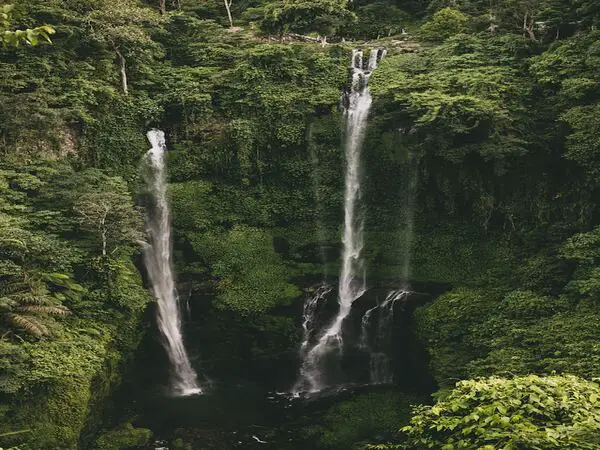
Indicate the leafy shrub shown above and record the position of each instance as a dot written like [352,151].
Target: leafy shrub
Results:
[525,412]
[251,276]
[366,417]
[478,333]
[123,438]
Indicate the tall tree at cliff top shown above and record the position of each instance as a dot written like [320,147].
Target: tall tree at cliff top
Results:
[322,16]
[125,29]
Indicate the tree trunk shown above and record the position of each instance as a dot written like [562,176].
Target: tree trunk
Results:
[162,6]
[123,71]
[528,23]
[103,233]
[228,8]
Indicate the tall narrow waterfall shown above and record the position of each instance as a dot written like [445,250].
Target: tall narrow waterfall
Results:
[357,103]
[157,256]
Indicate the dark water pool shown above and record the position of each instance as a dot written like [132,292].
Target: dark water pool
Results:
[242,416]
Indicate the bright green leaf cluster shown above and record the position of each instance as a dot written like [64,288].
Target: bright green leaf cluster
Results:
[522,412]
[31,36]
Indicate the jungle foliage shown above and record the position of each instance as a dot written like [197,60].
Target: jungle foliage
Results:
[522,412]
[490,106]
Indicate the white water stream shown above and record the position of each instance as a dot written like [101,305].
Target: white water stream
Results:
[352,278]
[157,256]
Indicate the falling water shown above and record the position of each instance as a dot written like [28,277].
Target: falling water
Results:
[157,256]
[376,337]
[357,104]
[308,379]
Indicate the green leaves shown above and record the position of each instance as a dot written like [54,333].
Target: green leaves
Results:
[29,36]
[445,23]
[523,412]
[300,16]
[459,98]
[350,423]
[583,144]
[251,276]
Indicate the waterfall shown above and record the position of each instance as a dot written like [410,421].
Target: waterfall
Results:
[357,103]
[157,256]
[309,379]
[376,337]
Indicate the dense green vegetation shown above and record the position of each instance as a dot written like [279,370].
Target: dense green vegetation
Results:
[492,107]
[523,412]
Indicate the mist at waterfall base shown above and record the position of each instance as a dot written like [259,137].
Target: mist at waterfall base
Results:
[157,257]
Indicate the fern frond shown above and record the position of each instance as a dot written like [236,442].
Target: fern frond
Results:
[7,302]
[30,324]
[13,287]
[27,298]
[51,310]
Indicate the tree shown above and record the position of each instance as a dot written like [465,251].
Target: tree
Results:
[322,16]
[123,28]
[445,23]
[534,17]
[25,300]
[228,4]
[588,11]
[112,217]
[583,144]
[378,19]
[522,412]
[29,36]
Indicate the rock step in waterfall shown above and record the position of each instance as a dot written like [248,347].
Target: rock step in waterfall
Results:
[376,336]
[157,256]
[356,103]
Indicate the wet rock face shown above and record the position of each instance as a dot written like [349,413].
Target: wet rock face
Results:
[380,343]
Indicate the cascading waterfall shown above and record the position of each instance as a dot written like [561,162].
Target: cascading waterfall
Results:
[376,336]
[357,103]
[308,379]
[157,257]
